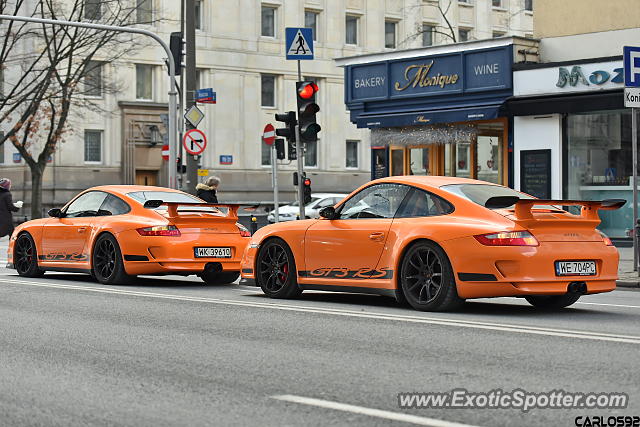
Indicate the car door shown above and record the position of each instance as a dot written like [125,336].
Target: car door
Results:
[347,249]
[64,239]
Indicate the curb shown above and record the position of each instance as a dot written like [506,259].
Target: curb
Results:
[628,284]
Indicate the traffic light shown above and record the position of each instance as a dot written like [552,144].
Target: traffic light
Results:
[307,109]
[292,153]
[279,148]
[307,190]
[289,119]
[176,45]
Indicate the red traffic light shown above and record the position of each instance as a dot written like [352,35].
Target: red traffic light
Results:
[307,182]
[307,91]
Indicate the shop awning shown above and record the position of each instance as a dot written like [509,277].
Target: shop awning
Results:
[428,117]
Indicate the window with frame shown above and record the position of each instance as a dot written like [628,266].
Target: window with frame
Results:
[463,35]
[144,82]
[92,9]
[268,90]
[93,146]
[311,21]
[427,34]
[198,11]
[311,154]
[352,154]
[528,5]
[375,201]
[351,33]
[496,3]
[93,79]
[422,203]
[268,21]
[390,29]
[144,11]
[266,154]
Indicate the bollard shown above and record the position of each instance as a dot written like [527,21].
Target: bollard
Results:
[254,224]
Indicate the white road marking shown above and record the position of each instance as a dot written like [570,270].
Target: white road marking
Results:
[442,321]
[609,305]
[395,416]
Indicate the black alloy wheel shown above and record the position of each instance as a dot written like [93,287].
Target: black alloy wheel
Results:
[426,278]
[107,263]
[276,270]
[25,257]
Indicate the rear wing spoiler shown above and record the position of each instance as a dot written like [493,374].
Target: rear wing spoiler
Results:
[523,207]
[172,207]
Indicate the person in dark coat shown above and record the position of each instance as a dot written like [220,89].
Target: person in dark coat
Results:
[7,207]
[207,190]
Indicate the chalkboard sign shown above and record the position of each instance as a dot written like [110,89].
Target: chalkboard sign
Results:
[535,173]
[379,163]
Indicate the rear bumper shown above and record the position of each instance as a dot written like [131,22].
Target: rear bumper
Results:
[483,271]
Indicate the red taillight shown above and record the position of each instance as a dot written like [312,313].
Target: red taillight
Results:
[507,238]
[159,230]
[607,241]
[243,230]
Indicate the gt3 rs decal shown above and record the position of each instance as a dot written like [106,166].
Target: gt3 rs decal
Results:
[344,273]
[63,257]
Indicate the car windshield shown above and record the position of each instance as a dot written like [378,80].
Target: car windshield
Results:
[171,196]
[480,193]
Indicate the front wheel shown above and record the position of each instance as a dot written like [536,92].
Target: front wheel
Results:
[25,257]
[222,278]
[276,270]
[552,302]
[107,264]
[426,278]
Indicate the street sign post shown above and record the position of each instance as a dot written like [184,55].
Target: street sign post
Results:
[631,64]
[269,134]
[194,142]
[194,116]
[205,96]
[299,43]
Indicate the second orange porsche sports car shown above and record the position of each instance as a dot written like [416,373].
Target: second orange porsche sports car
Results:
[435,241]
[117,232]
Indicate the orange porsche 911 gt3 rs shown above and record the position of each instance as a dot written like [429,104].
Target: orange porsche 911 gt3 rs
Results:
[115,232]
[436,241]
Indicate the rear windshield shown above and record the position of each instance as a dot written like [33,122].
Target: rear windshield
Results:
[170,196]
[480,193]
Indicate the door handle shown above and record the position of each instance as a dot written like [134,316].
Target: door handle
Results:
[82,229]
[377,236]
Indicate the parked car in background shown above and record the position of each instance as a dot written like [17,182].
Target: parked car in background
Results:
[318,201]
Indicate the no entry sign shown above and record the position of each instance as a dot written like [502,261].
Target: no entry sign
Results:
[165,152]
[269,134]
[194,142]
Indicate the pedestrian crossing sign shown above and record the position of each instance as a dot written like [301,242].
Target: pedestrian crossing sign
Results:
[299,43]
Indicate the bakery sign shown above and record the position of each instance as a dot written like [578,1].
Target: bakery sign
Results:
[453,73]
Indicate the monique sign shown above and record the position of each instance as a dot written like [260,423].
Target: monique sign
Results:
[418,75]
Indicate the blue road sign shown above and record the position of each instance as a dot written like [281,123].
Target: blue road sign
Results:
[631,63]
[299,43]
[206,96]
[226,159]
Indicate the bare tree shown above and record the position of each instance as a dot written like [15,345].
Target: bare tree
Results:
[446,29]
[48,69]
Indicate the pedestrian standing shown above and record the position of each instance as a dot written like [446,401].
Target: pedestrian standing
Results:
[7,207]
[207,190]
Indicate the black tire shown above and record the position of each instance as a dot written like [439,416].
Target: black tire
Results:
[222,278]
[552,302]
[25,257]
[426,278]
[107,265]
[276,270]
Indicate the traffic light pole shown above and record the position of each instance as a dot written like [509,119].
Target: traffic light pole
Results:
[300,155]
[190,76]
[274,179]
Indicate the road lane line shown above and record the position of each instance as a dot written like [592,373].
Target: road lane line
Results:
[442,321]
[361,410]
[609,305]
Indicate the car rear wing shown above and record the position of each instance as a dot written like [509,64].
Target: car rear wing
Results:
[523,207]
[172,207]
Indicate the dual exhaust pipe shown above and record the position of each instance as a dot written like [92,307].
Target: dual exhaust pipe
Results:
[577,288]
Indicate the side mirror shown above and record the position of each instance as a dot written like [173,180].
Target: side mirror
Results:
[55,213]
[328,213]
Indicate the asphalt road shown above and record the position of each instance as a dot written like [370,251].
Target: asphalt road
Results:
[171,351]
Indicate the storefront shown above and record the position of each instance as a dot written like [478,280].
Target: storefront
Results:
[572,135]
[436,111]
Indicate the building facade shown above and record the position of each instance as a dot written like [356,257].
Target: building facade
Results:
[240,54]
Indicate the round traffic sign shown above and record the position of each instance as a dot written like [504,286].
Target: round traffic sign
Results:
[165,152]
[269,134]
[194,142]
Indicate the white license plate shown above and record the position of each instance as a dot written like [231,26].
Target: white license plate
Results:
[575,268]
[212,252]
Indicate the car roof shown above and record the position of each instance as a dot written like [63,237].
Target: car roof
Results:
[430,181]
[323,195]
[124,189]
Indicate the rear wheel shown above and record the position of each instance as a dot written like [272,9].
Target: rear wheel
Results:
[222,278]
[107,264]
[25,257]
[426,278]
[552,302]
[276,270]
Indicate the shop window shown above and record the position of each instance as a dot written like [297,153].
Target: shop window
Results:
[311,21]
[599,164]
[144,82]
[390,29]
[268,21]
[397,161]
[351,34]
[352,154]
[268,90]
[419,161]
